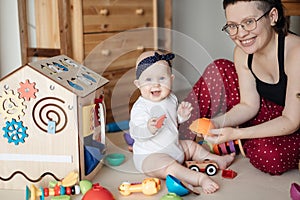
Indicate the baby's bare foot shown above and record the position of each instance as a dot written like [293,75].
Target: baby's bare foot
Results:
[224,161]
[208,185]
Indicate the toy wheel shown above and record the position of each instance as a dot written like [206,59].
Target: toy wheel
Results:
[211,170]
[195,168]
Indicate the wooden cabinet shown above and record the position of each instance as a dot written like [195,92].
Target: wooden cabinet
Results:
[108,36]
[108,16]
[292,7]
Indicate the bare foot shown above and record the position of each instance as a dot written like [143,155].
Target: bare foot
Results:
[225,161]
[208,185]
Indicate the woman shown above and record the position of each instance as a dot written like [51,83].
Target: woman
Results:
[261,88]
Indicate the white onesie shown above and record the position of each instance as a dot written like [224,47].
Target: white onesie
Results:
[165,140]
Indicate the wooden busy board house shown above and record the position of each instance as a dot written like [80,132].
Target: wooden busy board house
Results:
[52,119]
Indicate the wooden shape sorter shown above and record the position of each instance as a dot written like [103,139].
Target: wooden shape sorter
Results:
[52,119]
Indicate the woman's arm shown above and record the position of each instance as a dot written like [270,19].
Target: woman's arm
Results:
[288,122]
[291,110]
[249,98]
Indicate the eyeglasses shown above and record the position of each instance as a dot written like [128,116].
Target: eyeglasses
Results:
[247,24]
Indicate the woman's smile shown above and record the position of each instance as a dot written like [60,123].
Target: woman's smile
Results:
[248,42]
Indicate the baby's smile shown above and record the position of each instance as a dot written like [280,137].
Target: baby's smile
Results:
[155,92]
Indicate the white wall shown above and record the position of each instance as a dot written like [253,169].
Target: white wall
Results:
[295,24]
[10,55]
[201,22]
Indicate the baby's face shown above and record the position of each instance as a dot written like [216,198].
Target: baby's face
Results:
[155,83]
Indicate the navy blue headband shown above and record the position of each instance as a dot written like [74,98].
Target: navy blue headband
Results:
[147,62]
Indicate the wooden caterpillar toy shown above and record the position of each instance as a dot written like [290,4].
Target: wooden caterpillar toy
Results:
[62,190]
[65,187]
[202,126]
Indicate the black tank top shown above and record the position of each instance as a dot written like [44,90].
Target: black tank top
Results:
[273,92]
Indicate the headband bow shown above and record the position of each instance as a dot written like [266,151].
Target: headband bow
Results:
[147,62]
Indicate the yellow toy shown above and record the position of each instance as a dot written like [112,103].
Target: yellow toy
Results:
[149,186]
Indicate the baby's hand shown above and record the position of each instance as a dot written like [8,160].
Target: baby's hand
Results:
[184,110]
[152,125]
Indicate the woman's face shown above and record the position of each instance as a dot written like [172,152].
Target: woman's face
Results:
[254,40]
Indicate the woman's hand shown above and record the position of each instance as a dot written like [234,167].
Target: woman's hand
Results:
[221,135]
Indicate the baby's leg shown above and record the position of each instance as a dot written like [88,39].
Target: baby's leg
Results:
[194,151]
[160,165]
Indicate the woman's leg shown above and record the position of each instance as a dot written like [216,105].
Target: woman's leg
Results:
[215,92]
[273,155]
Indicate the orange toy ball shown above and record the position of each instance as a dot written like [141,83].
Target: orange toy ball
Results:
[201,126]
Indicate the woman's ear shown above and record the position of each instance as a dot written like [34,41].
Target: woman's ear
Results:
[273,16]
[136,83]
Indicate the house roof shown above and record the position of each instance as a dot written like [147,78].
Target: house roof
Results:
[70,74]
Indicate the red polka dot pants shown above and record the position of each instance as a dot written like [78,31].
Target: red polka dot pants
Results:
[273,155]
[216,92]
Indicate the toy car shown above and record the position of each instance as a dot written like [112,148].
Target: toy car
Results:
[207,166]
[148,186]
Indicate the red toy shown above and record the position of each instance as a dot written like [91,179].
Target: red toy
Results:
[98,193]
[228,173]
[160,121]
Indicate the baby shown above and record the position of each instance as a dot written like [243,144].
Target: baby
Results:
[157,150]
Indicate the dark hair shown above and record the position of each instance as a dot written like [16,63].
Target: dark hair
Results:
[282,24]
